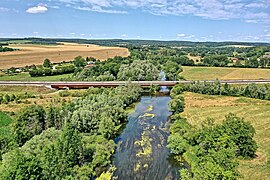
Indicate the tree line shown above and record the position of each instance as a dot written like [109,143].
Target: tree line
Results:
[216,88]
[119,68]
[6,98]
[6,49]
[212,151]
[73,141]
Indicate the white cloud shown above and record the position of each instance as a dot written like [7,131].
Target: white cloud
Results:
[37,9]
[100,10]
[124,35]
[185,36]
[181,35]
[249,11]
[267,35]
[2,9]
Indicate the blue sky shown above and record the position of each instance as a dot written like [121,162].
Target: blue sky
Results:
[198,20]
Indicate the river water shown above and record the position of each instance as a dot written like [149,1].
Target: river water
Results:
[141,149]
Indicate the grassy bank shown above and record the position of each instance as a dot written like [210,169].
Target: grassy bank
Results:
[199,107]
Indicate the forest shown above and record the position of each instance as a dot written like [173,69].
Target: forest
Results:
[66,142]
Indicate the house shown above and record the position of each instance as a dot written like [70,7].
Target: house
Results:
[234,59]
[266,56]
[89,66]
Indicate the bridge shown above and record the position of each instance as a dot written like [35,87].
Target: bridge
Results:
[85,84]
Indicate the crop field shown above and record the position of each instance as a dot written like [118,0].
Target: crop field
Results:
[199,107]
[29,54]
[224,73]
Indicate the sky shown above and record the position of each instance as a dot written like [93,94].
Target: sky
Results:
[198,20]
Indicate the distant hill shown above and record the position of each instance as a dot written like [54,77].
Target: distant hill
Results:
[121,42]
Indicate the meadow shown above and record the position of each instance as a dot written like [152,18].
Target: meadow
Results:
[28,54]
[27,77]
[200,107]
[223,73]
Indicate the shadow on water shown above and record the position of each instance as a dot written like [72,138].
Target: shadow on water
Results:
[141,149]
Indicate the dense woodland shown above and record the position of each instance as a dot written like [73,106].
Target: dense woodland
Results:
[67,142]
[212,151]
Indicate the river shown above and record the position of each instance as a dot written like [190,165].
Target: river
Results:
[141,148]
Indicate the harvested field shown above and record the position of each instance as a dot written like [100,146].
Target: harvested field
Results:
[224,73]
[29,54]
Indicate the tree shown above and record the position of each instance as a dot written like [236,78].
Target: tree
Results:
[177,104]
[138,71]
[29,122]
[242,133]
[47,63]
[79,61]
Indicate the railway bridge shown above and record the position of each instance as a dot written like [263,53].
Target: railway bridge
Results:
[85,84]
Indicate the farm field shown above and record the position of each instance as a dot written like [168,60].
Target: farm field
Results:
[29,54]
[27,77]
[224,73]
[199,107]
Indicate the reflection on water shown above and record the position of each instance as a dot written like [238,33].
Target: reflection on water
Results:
[163,78]
[142,151]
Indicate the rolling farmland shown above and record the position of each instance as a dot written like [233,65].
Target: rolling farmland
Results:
[29,54]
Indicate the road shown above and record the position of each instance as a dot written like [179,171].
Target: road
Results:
[83,85]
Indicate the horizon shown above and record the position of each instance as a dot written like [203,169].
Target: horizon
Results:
[100,39]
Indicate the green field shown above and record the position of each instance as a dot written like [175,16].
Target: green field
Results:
[5,120]
[17,41]
[199,107]
[34,90]
[224,73]
[27,77]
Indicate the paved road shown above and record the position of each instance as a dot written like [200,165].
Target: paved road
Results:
[81,85]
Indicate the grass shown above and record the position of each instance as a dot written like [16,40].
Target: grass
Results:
[35,90]
[5,120]
[199,107]
[29,54]
[224,73]
[27,77]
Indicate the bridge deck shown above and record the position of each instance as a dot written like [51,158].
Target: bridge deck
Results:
[82,85]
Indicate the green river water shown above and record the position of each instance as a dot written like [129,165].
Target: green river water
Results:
[141,148]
